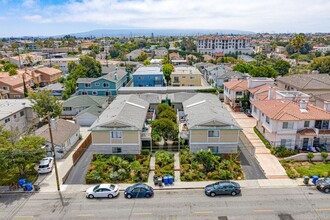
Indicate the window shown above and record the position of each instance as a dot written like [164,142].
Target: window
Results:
[255,109]
[17,96]
[267,119]
[192,77]
[87,85]
[21,113]
[97,84]
[213,149]
[105,85]
[15,116]
[213,133]
[116,150]
[176,79]
[94,92]
[306,124]
[286,142]
[107,93]
[84,93]
[116,134]
[5,88]
[325,125]
[287,125]
[7,120]
[239,93]
[67,108]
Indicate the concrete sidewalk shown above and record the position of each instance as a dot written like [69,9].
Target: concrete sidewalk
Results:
[268,162]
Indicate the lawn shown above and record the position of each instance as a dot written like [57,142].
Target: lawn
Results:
[12,176]
[164,163]
[106,168]
[301,169]
[204,165]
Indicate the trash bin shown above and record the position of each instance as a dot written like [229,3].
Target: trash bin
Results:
[314,179]
[170,180]
[160,181]
[155,179]
[36,187]
[306,180]
[166,180]
[21,182]
[28,186]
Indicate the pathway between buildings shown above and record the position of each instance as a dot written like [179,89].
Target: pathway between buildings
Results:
[177,167]
[268,162]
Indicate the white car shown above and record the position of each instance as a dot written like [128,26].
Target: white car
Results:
[103,190]
[46,165]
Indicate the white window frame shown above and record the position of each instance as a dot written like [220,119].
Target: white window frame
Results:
[94,93]
[307,122]
[214,149]
[287,125]
[117,150]
[267,119]
[108,85]
[116,134]
[213,133]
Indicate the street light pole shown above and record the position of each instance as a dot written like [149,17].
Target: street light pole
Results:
[53,150]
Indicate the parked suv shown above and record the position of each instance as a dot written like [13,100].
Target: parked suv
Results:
[323,184]
[46,165]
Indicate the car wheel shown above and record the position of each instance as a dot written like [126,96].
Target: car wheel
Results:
[147,195]
[129,196]
[90,196]
[212,194]
[326,190]
[110,196]
[233,193]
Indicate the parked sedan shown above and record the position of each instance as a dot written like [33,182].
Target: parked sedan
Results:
[323,184]
[223,188]
[139,190]
[103,190]
[46,165]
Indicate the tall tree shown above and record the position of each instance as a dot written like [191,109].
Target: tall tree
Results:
[44,103]
[298,41]
[167,71]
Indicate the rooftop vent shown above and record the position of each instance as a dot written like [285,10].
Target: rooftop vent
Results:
[131,103]
[197,103]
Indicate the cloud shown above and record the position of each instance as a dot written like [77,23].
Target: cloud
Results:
[255,15]
[37,19]
[2,18]
[29,3]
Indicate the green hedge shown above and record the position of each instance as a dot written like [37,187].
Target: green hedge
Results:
[262,138]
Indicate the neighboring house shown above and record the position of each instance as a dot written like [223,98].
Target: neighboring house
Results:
[3,94]
[89,115]
[237,89]
[56,89]
[207,124]
[323,101]
[186,76]
[62,63]
[25,59]
[294,124]
[160,53]
[280,49]
[134,54]
[76,104]
[48,75]
[106,85]
[311,84]
[225,44]
[220,74]
[148,77]
[121,128]
[246,58]
[16,114]
[65,134]
[14,85]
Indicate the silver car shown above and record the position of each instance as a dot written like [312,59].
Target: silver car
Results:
[46,165]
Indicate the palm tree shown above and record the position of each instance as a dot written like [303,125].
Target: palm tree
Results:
[298,42]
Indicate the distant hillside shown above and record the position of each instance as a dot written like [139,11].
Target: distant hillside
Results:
[157,32]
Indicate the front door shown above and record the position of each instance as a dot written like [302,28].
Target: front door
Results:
[305,143]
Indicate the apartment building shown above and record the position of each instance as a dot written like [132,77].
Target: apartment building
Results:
[223,44]
[186,76]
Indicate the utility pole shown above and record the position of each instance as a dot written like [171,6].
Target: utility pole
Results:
[53,150]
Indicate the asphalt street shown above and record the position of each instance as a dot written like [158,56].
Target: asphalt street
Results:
[297,203]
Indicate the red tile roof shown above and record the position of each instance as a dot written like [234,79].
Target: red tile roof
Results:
[307,132]
[237,85]
[285,110]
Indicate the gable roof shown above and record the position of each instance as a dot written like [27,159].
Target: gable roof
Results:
[263,88]
[48,70]
[11,106]
[62,131]
[286,110]
[125,109]
[323,97]
[94,110]
[306,81]
[204,108]
[239,85]
[121,72]
[85,100]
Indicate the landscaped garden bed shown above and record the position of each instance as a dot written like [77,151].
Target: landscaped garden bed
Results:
[164,163]
[106,168]
[306,168]
[204,165]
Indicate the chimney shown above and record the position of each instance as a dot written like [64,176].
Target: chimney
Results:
[326,105]
[303,105]
[271,93]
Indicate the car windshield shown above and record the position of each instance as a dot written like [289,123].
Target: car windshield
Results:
[43,166]
[327,180]
[96,187]
[112,187]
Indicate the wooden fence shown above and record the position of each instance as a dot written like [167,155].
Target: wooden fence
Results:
[82,148]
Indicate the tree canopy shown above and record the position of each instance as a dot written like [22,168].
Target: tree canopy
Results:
[167,70]
[43,103]
[164,127]
[321,64]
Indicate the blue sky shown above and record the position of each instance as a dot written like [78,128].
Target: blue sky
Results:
[53,17]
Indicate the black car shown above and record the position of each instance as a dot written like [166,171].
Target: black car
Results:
[323,184]
[223,188]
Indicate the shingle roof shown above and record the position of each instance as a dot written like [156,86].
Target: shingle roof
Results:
[94,110]
[180,97]
[62,131]
[323,97]
[285,110]
[85,100]
[127,109]
[121,72]
[48,70]
[151,97]
[307,81]
[203,108]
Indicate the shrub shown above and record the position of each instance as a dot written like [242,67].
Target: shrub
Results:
[145,152]
[281,151]
[324,155]
[310,156]
[262,138]
[292,174]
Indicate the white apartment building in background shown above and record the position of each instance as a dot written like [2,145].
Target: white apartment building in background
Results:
[224,44]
